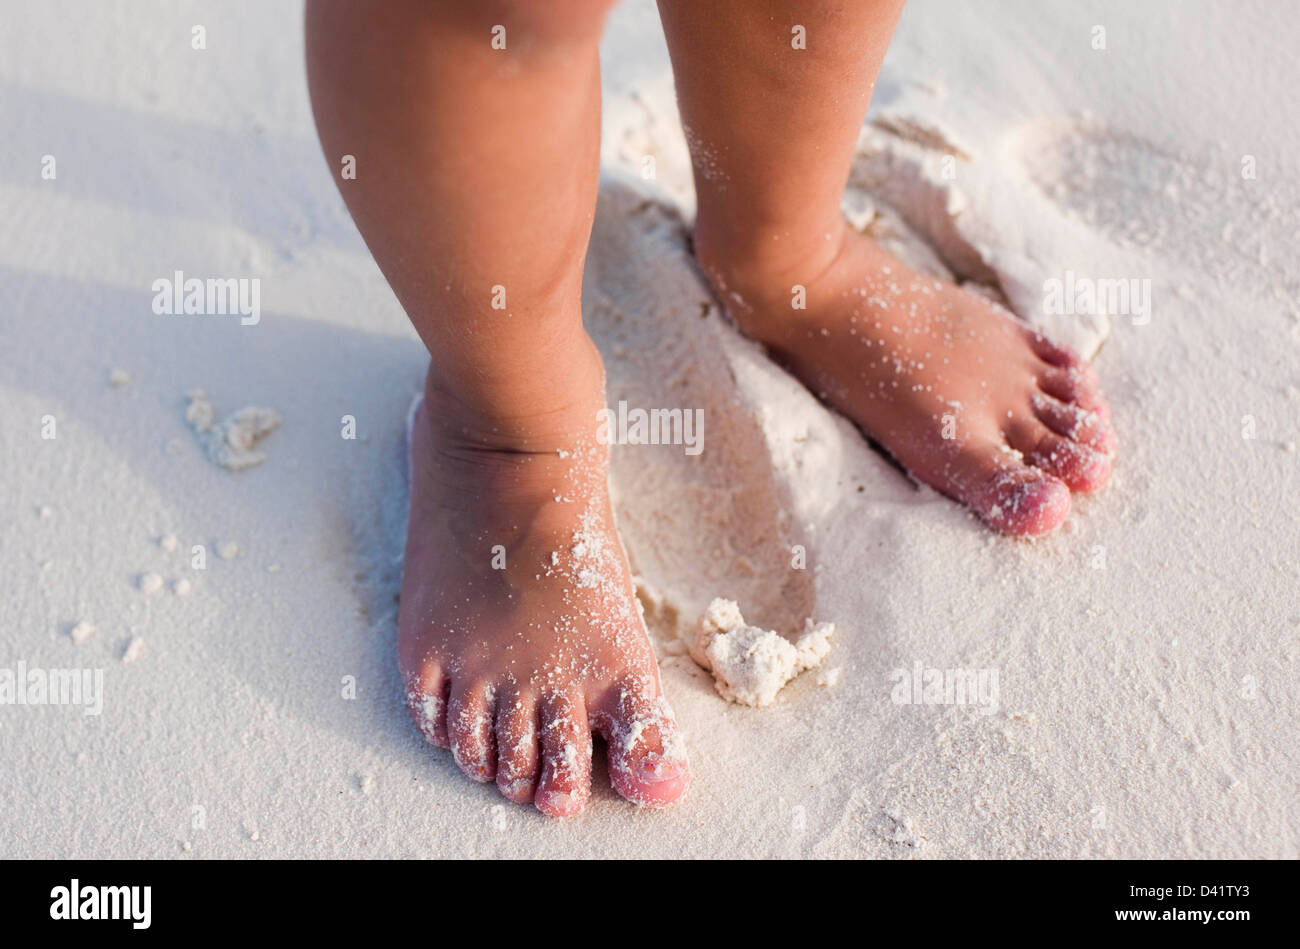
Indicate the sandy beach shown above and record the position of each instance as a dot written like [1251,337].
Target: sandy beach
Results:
[235,617]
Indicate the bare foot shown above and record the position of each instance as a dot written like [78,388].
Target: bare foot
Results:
[966,398]
[519,632]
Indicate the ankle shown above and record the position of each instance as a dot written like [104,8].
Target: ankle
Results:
[557,415]
[757,276]
[512,468]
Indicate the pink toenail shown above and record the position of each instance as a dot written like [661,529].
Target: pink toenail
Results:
[655,768]
[518,788]
[562,803]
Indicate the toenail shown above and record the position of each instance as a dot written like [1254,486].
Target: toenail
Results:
[475,770]
[517,788]
[561,802]
[655,768]
[1032,491]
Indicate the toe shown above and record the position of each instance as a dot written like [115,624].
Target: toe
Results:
[647,761]
[1021,500]
[469,727]
[517,746]
[1075,423]
[565,784]
[1050,352]
[1079,466]
[1009,495]
[1078,385]
[426,698]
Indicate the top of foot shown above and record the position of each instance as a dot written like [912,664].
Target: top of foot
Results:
[962,395]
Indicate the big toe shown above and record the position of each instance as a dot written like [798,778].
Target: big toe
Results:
[1010,496]
[647,760]
[1017,498]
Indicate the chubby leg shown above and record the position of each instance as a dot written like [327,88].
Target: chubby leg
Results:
[474,129]
[963,396]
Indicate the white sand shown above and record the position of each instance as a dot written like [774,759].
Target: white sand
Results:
[1144,656]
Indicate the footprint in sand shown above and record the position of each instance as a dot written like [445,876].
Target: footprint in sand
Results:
[734,523]
[1151,202]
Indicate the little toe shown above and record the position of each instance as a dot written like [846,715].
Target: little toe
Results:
[647,760]
[1079,466]
[517,747]
[565,783]
[1075,423]
[469,727]
[426,698]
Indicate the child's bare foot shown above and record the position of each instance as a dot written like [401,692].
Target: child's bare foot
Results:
[519,632]
[964,397]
